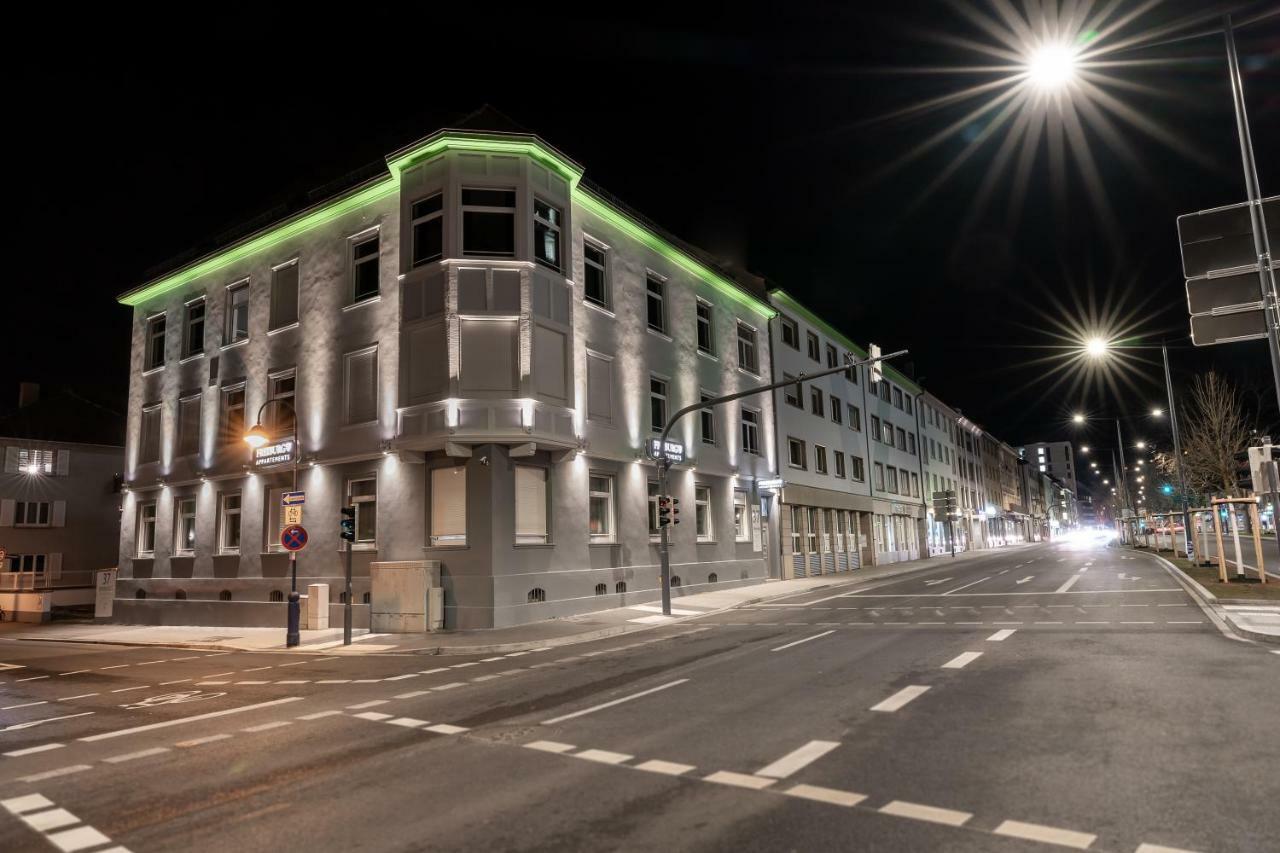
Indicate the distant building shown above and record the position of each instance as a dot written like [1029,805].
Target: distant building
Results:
[59,501]
[1055,458]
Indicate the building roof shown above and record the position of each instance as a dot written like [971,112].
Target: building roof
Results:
[65,417]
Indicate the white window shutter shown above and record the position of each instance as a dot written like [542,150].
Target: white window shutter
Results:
[63,463]
[11,460]
[449,504]
[60,513]
[531,503]
[6,512]
[54,566]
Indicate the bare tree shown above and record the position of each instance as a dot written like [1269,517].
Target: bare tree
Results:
[1216,428]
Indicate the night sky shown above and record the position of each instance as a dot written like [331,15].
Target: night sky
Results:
[758,136]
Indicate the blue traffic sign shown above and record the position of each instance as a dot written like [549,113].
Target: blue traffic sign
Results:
[294,537]
[293,498]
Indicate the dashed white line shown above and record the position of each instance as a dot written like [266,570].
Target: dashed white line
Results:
[130,756]
[805,640]
[319,714]
[201,741]
[614,702]
[739,780]
[373,715]
[1047,834]
[831,796]
[798,759]
[129,689]
[1001,635]
[899,699]
[77,696]
[666,768]
[373,703]
[932,814]
[549,746]
[263,727]
[184,720]
[32,750]
[960,661]
[54,774]
[603,756]
[407,722]
[966,586]
[413,694]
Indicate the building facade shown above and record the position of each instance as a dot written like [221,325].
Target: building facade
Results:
[939,436]
[1055,458]
[473,349]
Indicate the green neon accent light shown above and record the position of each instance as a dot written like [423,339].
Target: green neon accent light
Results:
[780,295]
[531,148]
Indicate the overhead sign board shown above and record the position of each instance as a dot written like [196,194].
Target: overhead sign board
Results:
[278,453]
[1220,262]
[1222,238]
[672,450]
[1209,329]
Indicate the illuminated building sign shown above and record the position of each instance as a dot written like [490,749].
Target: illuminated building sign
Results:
[672,450]
[278,453]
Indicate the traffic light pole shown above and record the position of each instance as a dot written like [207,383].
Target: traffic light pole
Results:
[664,463]
[1177,452]
[346,610]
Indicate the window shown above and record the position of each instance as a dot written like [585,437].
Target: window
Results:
[791,393]
[856,470]
[364,268]
[656,295]
[748,358]
[32,514]
[813,346]
[360,380]
[184,526]
[536,595]
[878,471]
[837,411]
[876,432]
[702,513]
[225,595]
[815,402]
[705,342]
[237,328]
[601,589]
[839,462]
[233,414]
[851,372]
[911,443]
[489,222]
[797,529]
[653,508]
[891,479]
[819,459]
[741,517]
[855,417]
[149,443]
[38,461]
[531,505]
[884,391]
[229,524]
[620,587]
[811,530]
[449,505]
[281,386]
[832,357]
[276,595]
[750,431]
[707,423]
[915,485]
[595,275]
[363,495]
[599,387]
[901,443]
[888,434]
[790,331]
[657,403]
[284,295]
[907,406]
[795,453]
[193,328]
[155,342]
[600,508]
[547,220]
[428,229]
[897,397]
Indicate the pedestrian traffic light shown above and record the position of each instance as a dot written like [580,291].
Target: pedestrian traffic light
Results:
[1167,489]
[1244,472]
[668,510]
[348,523]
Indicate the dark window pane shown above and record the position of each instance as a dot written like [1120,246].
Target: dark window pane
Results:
[488,233]
[367,249]
[426,206]
[593,285]
[546,244]
[428,240]
[489,198]
[366,280]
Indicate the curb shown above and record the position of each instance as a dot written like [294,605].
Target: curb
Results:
[1210,604]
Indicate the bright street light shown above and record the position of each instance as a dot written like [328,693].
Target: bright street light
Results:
[1095,347]
[1051,66]
[256,436]
[1141,445]
[1077,418]
[1084,448]
[1155,413]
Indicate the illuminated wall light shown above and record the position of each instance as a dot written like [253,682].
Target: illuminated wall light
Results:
[451,413]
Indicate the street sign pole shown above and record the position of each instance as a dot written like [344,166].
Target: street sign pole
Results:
[1177,452]
[664,554]
[1261,243]
[346,610]
[293,633]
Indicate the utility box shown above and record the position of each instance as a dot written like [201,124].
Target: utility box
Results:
[405,597]
[317,599]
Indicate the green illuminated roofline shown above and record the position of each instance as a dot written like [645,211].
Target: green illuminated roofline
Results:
[529,146]
[780,295]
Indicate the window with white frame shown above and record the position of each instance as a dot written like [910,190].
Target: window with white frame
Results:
[155,342]
[364,268]
[706,343]
[360,385]
[237,325]
[855,417]
[229,523]
[149,439]
[891,479]
[790,331]
[193,327]
[31,514]
[600,518]
[838,459]
[795,453]
[791,394]
[829,537]
[833,358]
[449,506]
[26,562]
[741,517]
[488,222]
[146,529]
[814,346]
[702,512]
[707,422]
[877,432]
[547,220]
[233,414]
[531,505]
[837,411]
[284,295]
[897,398]
[656,303]
[428,229]
[748,353]
[750,431]
[184,526]
[652,499]
[595,274]
[856,469]
[816,403]
[819,459]
[797,530]
[878,473]
[35,461]
[915,485]
[657,403]
[901,443]
[812,526]
[362,494]
[282,417]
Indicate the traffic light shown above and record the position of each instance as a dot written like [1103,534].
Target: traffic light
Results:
[348,523]
[668,510]
[1244,472]
[1167,489]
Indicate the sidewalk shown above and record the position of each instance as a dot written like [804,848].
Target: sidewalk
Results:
[553,632]
[1258,618]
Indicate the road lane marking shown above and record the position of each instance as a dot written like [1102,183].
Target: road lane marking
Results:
[128,689]
[33,723]
[1001,635]
[962,660]
[937,581]
[30,678]
[24,705]
[201,741]
[1071,581]
[603,756]
[549,746]
[819,794]
[805,640]
[179,681]
[75,672]
[403,677]
[966,586]
[376,716]
[28,803]
[130,756]
[408,722]
[446,729]
[413,694]
[1024,580]
[932,814]
[372,703]
[739,780]
[54,774]
[1047,834]
[1160,848]
[32,750]
[51,819]
[77,696]
[116,666]
[666,768]
[451,685]
[317,715]
[601,707]
[899,699]
[80,838]
[334,681]
[263,727]
[184,720]
[798,759]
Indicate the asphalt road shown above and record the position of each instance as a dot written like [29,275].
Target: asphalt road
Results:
[1030,699]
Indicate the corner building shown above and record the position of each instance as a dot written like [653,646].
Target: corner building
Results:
[478,346]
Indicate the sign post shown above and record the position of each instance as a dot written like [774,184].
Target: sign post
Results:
[104,594]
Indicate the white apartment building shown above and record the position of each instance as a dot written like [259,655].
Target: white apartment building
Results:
[973,504]
[1055,458]
[939,434]
[478,345]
